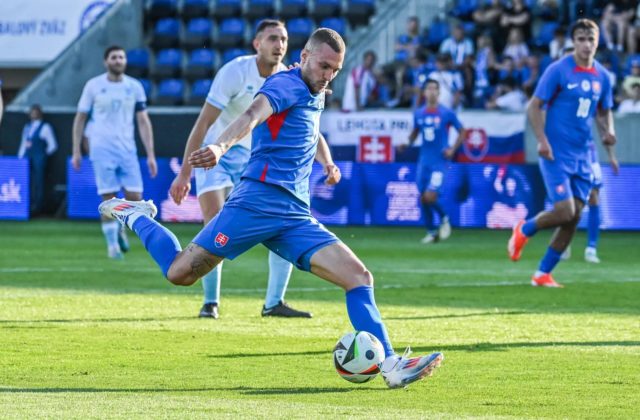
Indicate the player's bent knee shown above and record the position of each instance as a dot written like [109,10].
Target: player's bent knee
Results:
[364,279]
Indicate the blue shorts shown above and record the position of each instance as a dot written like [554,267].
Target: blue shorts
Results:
[566,179]
[258,212]
[113,174]
[430,177]
[225,174]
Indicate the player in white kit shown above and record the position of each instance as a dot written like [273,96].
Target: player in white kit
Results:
[112,99]
[232,91]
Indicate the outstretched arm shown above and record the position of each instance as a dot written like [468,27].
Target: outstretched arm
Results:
[256,114]
[182,183]
[323,156]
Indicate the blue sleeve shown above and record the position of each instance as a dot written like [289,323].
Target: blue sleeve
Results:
[455,121]
[282,91]
[415,119]
[606,100]
[549,83]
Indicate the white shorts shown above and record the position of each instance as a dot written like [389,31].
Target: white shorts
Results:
[225,174]
[113,174]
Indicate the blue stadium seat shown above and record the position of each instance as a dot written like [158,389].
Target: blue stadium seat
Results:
[227,9]
[198,33]
[438,32]
[463,9]
[158,9]
[294,56]
[170,92]
[200,64]
[195,8]
[545,35]
[148,87]
[168,63]
[293,8]
[358,12]
[257,9]
[299,31]
[338,24]
[198,92]
[230,54]
[231,32]
[326,8]
[166,33]
[138,62]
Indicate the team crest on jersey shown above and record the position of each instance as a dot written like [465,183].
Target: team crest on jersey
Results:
[595,85]
[586,86]
[221,240]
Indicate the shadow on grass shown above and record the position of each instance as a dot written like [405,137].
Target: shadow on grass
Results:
[83,320]
[474,314]
[480,347]
[241,390]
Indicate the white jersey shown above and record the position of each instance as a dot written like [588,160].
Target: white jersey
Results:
[112,106]
[232,91]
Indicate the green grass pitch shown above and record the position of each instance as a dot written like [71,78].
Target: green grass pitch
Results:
[85,337]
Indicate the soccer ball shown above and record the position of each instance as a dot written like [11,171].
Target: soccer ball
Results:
[357,356]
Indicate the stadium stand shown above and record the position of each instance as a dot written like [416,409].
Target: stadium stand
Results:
[138,62]
[200,64]
[158,9]
[166,33]
[259,9]
[198,92]
[198,33]
[168,63]
[170,92]
[227,8]
[195,9]
[231,33]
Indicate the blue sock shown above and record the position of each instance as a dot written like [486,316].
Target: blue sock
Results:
[437,207]
[427,211]
[211,284]
[160,242]
[529,228]
[550,260]
[593,226]
[364,315]
[279,274]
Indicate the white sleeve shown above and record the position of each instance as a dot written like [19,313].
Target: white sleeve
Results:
[23,143]
[86,99]
[225,85]
[139,91]
[48,135]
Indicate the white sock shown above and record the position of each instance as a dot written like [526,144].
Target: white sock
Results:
[110,230]
[389,363]
[131,219]
[279,274]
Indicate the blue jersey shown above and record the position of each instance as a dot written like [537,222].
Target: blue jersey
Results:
[572,95]
[284,146]
[434,124]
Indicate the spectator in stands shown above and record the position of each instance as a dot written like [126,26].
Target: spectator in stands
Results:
[407,44]
[485,67]
[487,19]
[450,82]
[1,102]
[383,94]
[37,144]
[559,43]
[516,47]
[634,32]
[508,97]
[360,85]
[616,17]
[517,16]
[508,69]
[577,9]
[415,78]
[531,72]
[631,104]
[457,45]
[467,72]
[634,75]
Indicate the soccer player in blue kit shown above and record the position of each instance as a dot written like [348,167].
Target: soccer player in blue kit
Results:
[433,122]
[574,89]
[270,205]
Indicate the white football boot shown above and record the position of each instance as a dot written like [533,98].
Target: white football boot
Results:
[400,371]
[591,255]
[120,209]
[445,229]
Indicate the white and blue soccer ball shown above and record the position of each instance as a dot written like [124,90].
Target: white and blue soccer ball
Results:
[357,356]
